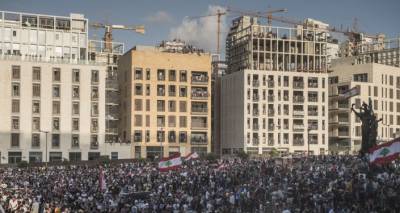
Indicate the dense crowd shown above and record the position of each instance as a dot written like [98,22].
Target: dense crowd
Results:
[318,184]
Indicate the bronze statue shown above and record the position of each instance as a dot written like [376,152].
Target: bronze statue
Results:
[369,127]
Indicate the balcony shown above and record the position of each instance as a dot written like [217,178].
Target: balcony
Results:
[255,126]
[256,98]
[270,98]
[199,78]
[298,142]
[298,85]
[256,83]
[312,85]
[312,113]
[112,85]
[198,138]
[343,106]
[271,112]
[271,84]
[112,130]
[343,134]
[298,99]
[286,98]
[313,126]
[298,113]
[313,99]
[255,112]
[271,127]
[298,127]
[343,120]
[199,94]
[199,110]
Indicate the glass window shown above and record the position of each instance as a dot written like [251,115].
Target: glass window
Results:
[57,74]
[16,72]
[36,73]
[75,108]
[95,76]
[55,141]
[36,107]
[35,141]
[15,106]
[75,141]
[15,89]
[14,139]
[56,107]
[56,91]
[36,90]
[75,92]
[36,124]
[75,124]
[75,76]
[15,123]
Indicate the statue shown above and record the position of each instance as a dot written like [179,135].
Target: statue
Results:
[369,127]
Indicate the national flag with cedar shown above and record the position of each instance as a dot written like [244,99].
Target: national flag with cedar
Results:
[385,153]
[192,155]
[170,163]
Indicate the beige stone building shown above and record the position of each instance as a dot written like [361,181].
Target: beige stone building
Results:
[165,100]
[379,82]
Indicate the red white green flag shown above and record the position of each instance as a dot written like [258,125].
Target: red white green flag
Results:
[385,153]
[170,163]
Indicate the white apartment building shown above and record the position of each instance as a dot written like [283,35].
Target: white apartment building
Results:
[379,82]
[276,93]
[53,102]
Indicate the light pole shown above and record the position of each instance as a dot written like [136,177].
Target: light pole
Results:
[308,141]
[46,132]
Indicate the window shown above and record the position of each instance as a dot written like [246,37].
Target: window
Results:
[160,106]
[35,157]
[171,121]
[160,121]
[75,124]
[182,137]
[55,156]
[14,157]
[15,123]
[75,76]
[138,120]
[147,105]
[95,109]
[16,72]
[160,136]
[35,141]
[172,75]
[138,89]
[95,93]
[36,73]
[75,108]
[182,121]
[55,141]
[172,91]
[147,74]
[138,104]
[171,137]
[171,106]
[94,125]
[56,91]
[147,120]
[114,155]
[147,89]
[56,74]
[333,80]
[15,89]
[160,90]
[183,91]
[36,107]
[75,141]
[15,106]
[95,77]
[94,143]
[138,74]
[182,106]
[14,139]
[147,136]
[56,124]
[36,90]
[161,75]
[137,137]
[56,107]
[182,76]
[36,124]
[376,91]
[75,92]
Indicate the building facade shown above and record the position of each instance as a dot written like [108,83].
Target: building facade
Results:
[165,100]
[54,99]
[275,96]
[379,82]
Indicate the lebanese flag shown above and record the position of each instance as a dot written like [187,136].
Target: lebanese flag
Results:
[385,153]
[192,155]
[170,163]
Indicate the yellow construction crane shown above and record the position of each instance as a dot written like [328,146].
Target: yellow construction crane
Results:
[218,14]
[110,27]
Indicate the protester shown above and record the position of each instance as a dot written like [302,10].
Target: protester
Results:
[315,184]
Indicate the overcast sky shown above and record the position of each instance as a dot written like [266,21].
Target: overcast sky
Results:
[165,19]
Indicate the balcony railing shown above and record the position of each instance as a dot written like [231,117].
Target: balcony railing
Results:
[199,109]
[343,120]
[298,142]
[312,113]
[298,99]
[343,133]
[256,83]
[200,94]
[270,98]
[298,113]
[200,79]
[298,85]
[313,126]
[198,140]
[298,127]
[312,99]
[343,106]
[313,85]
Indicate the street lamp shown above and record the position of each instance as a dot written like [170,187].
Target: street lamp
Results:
[46,132]
[308,141]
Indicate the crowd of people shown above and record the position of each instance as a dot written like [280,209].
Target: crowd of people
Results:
[316,184]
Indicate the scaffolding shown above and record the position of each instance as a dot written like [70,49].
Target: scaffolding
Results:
[253,46]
